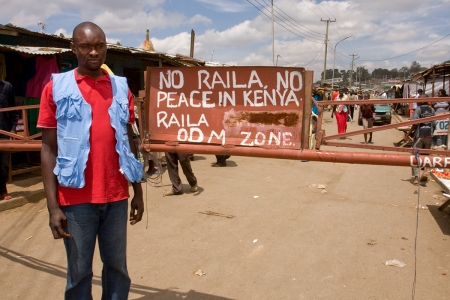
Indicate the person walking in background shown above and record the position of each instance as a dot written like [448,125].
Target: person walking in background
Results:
[420,94]
[341,113]
[88,157]
[440,108]
[172,168]
[367,115]
[8,122]
[353,97]
[422,136]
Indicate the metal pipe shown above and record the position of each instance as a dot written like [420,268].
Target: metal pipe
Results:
[13,146]
[365,158]
[386,101]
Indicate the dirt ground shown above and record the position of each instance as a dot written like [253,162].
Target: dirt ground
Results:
[287,239]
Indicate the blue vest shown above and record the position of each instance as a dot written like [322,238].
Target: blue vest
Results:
[74,119]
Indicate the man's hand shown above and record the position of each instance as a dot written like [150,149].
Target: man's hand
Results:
[137,208]
[58,222]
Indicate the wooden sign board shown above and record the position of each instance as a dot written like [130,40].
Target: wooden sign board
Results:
[241,106]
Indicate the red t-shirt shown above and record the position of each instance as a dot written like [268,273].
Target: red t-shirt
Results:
[104,182]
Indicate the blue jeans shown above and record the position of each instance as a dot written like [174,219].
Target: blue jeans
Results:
[86,222]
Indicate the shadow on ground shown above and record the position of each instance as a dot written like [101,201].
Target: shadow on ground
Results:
[442,218]
[145,292]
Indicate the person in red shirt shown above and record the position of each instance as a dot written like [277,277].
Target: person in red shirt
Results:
[99,209]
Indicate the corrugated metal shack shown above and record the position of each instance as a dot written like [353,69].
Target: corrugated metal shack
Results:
[28,58]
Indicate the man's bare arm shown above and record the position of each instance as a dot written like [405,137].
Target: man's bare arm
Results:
[137,203]
[57,218]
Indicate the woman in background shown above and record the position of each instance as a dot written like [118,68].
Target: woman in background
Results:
[341,112]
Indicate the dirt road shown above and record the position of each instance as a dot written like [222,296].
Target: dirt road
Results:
[288,238]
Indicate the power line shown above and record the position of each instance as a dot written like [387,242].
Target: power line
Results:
[299,30]
[318,42]
[343,64]
[311,9]
[408,52]
[317,56]
[345,43]
[340,35]
[337,37]
[282,59]
[315,32]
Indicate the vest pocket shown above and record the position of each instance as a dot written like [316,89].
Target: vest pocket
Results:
[124,113]
[68,108]
[66,171]
[134,166]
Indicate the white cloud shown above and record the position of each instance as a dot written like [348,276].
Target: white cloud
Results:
[392,35]
[228,6]
[63,32]
[199,19]
[112,40]
[179,43]
[380,29]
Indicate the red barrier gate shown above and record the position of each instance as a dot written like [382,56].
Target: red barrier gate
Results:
[250,111]
[253,111]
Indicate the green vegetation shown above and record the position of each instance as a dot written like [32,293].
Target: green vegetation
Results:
[377,76]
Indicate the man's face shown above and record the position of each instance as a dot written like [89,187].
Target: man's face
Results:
[89,45]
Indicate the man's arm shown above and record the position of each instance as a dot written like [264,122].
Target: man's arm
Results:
[416,114]
[58,220]
[137,203]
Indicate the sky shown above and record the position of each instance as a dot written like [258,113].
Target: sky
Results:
[381,33]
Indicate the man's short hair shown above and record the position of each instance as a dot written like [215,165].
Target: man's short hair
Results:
[420,91]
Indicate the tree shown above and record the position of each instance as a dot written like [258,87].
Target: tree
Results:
[415,67]
[394,73]
[403,72]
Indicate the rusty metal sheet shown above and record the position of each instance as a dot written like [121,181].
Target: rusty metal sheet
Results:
[240,106]
[35,50]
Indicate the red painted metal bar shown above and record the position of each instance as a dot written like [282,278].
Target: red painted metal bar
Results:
[366,158]
[9,145]
[384,101]
[386,148]
[384,127]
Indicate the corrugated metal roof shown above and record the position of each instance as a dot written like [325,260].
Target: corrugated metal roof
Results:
[34,50]
[12,27]
[442,69]
[175,60]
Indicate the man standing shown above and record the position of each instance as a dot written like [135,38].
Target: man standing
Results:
[367,112]
[8,122]
[88,157]
[172,168]
[422,136]
[353,97]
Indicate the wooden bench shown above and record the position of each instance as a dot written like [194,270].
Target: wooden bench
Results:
[407,136]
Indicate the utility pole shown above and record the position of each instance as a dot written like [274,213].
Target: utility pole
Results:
[273,40]
[351,73]
[326,48]
[360,74]
[191,54]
